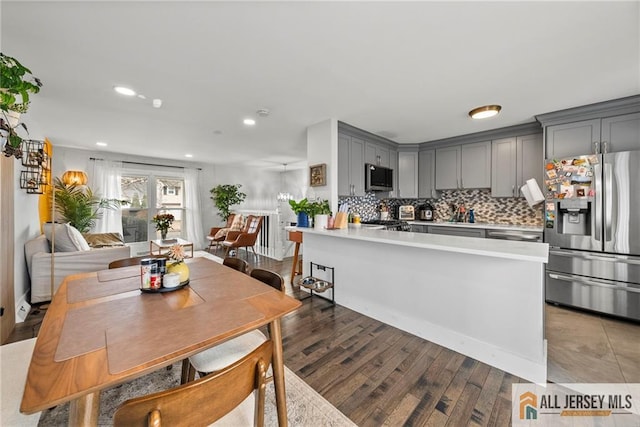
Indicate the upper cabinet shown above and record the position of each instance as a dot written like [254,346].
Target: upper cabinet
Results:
[463,166]
[377,155]
[605,127]
[407,174]
[427,174]
[515,160]
[350,165]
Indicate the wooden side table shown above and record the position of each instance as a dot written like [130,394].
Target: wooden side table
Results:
[166,244]
[296,268]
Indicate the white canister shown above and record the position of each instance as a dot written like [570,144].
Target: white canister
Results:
[320,222]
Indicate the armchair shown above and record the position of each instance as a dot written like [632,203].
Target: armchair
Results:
[215,241]
[245,238]
[38,256]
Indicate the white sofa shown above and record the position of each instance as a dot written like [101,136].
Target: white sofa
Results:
[38,256]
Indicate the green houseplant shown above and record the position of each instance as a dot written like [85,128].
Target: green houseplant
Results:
[302,210]
[17,83]
[80,206]
[226,195]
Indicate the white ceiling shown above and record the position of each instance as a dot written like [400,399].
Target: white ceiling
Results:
[409,71]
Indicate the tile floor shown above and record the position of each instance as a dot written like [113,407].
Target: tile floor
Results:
[591,348]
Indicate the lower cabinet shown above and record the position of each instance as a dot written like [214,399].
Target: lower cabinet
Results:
[457,231]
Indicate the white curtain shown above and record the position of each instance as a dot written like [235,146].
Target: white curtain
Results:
[106,179]
[192,208]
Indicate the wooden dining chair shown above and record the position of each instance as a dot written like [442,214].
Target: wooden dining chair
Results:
[127,262]
[206,400]
[236,263]
[216,358]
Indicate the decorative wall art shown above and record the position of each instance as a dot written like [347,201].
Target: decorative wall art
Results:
[318,175]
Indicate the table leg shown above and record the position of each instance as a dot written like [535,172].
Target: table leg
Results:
[275,331]
[84,411]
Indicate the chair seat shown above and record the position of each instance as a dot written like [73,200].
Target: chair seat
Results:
[15,359]
[225,354]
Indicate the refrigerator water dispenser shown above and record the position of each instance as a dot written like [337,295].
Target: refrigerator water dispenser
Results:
[574,217]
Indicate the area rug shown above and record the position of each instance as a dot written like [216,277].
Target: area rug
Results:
[305,407]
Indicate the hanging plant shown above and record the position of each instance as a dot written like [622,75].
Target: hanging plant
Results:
[226,195]
[17,83]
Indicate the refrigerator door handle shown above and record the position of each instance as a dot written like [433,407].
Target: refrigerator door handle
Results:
[592,282]
[608,194]
[613,259]
[597,223]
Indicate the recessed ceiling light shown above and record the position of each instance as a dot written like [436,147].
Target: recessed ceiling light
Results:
[124,90]
[249,122]
[485,111]
[101,144]
[188,155]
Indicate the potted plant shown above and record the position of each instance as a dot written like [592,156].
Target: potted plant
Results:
[320,211]
[301,209]
[80,206]
[17,83]
[226,195]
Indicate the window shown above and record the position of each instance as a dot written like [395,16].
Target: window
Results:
[149,195]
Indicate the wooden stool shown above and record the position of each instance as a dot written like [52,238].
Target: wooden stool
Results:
[296,267]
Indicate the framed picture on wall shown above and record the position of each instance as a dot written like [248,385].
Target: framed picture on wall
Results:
[318,175]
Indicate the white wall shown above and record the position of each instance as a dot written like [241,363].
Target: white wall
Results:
[322,147]
[26,226]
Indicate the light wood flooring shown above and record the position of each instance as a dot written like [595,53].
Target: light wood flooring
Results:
[379,375]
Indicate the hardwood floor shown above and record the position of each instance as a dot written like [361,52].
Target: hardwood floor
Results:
[377,374]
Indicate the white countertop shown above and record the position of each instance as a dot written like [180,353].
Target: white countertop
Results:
[488,226]
[526,251]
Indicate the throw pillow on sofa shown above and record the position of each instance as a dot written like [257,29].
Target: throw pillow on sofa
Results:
[67,238]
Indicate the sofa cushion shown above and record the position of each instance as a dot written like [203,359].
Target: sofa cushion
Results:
[67,238]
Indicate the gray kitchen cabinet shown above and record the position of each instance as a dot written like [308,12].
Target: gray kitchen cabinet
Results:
[572,139]
[407,174]
[393,164]
[476,165]
[456,231]
[464,166]
[350,165]
[448,168]
[377,155]
[515,160]
[418,228]
[427,174]
[621,133]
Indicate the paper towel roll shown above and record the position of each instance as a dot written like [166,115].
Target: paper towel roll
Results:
[532,192]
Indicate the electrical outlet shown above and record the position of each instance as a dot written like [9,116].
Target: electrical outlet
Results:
[22,311]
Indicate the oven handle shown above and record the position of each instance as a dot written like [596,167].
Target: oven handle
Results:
[490,234]
[592,282]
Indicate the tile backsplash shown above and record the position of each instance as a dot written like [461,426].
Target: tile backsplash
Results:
[503,210]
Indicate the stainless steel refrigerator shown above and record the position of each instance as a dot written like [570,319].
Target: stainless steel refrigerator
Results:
[592,225]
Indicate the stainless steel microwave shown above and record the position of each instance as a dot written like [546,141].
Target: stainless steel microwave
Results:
[377,178]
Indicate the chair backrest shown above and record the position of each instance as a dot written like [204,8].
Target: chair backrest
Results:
[253,225]
[269,277]
[126,262]
[206,400]
[236,263]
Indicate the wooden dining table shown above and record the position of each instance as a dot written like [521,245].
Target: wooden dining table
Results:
[100,330]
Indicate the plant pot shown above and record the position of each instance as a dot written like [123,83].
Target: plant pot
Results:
[320,222]
[182,269]
[303,219]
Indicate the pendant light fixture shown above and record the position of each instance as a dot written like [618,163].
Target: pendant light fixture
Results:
[485,111]
[284,196]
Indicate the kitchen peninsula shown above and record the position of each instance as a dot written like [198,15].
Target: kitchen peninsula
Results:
[483,298]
